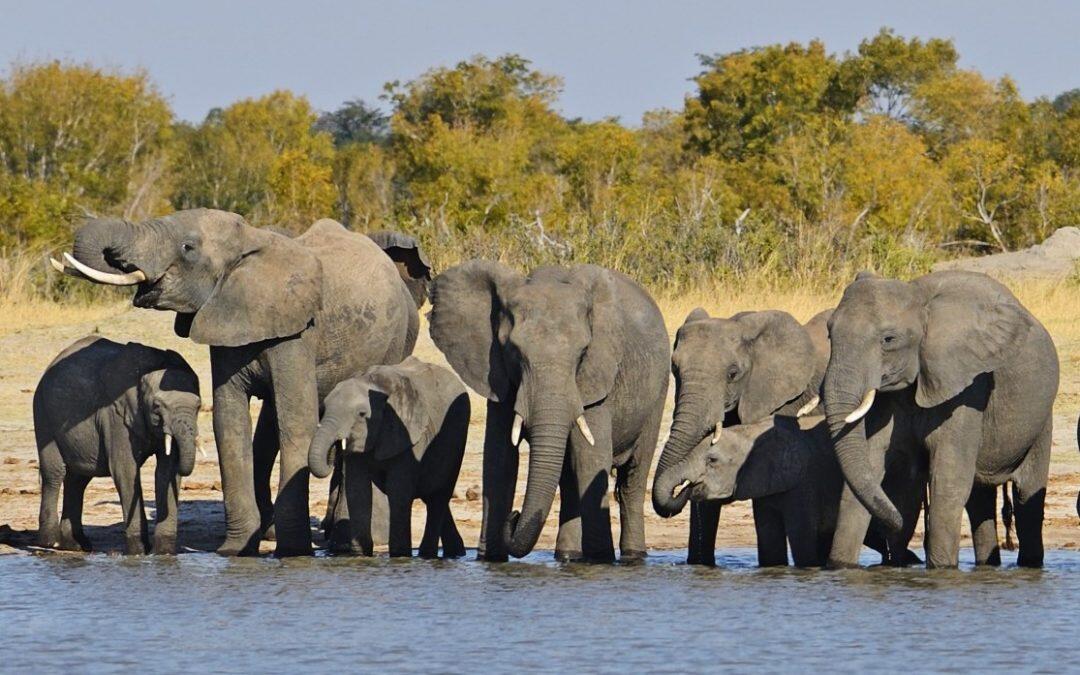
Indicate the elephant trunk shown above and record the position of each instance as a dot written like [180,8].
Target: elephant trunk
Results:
[105,244]
[322,442]
[846,393]
[186,442]
[547,432]
[692,423]
[664,488]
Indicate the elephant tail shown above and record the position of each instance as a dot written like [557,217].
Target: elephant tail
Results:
[1007,517]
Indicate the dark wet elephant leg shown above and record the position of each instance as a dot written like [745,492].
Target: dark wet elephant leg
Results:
[452,544]
[592,467]
[264,449]
[982,515]
[499,481]
[568,541]
[632,486]
[704,521]
[167,501]
[771,535]
[125,475]
[1029,497]
[52,472]
[72,537]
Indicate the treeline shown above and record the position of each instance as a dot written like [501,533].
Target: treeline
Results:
[786,163]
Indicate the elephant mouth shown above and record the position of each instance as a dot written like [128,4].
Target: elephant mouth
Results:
[147,294]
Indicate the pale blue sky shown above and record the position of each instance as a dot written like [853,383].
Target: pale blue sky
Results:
[617,58]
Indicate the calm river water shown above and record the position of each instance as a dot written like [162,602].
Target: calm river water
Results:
[199,612]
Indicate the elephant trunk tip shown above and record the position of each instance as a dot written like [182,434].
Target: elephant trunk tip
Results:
[520,539]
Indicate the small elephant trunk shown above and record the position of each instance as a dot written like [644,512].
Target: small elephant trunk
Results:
[328,433]
[186,453]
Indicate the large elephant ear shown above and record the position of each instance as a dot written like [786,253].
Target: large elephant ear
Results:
[403,413]
[273,289]
[467,324]
[600,363]
[412,264]
[973,323]
[782,362]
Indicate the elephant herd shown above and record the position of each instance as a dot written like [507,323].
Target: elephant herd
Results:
[907,397]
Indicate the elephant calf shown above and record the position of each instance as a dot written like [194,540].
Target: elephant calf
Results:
[787,467]
[403,428]
[101,409]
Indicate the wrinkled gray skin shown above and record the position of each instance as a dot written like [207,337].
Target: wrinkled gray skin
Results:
[286,320]
[789,471]
[550,347]
[741,369]
[102,409]
[404,429]
[966,378]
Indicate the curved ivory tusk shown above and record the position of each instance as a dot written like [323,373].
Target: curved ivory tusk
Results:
[56,264]
[583,427]
[716,432]
[864,407]
[515,431]
[680,487]
[344,444]
[129,279]
[168,444]
[805,410]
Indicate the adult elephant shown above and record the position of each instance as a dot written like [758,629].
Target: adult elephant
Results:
[969,377]
[737,370]
[580,356]
[286,319]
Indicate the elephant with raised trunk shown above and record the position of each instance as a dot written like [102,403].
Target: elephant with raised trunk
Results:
[954,367]
[286,319]
[402,428]
[575,361]
[741,369]
[102,409]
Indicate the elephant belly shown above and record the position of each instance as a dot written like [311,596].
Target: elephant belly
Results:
[1017,413]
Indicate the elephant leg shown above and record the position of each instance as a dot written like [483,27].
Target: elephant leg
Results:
[264,450]
[771,537]
[704,522]
[1029,496]
[355,498]
[72,537]
[952,475]
[982,515]
[52,472]
[437,506]
[166,497]
[800,519]
[631,485]
[499,481]
[125,475]
[296,402]
[232,433]
[400,487]
[592,467]
[908,496]
[568,542]
[332,497]
[453,545]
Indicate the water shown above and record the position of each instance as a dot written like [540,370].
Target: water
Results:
[200,612]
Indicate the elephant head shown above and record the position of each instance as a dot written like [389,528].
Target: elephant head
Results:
[936,333]
[218,273]
[171,398]
[753,364]
[545,344]
[378,413]
[747,462]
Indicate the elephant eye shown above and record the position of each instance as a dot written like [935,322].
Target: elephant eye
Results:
[733,373]
[186,247]
[713,459]
[889,340]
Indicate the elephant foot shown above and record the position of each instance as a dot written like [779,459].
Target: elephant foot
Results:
[73,543]
[47,538]
[428,553]
[703,560]
[632,556]
[164,545]
[454,551]
[135,546]
[569,556]
[833,564]
[492,557]
[239,547]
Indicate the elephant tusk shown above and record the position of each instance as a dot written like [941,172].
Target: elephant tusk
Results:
[864,407]
[200,449]
[128,279]
[56,264]
[805,410]
[716,433]
[168,444]
[515,430]
[679,488]
[344,444]
[583,427]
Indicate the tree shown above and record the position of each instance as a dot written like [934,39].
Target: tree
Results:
[984,177]
[75,139]
[892,68]
[355,122]
[261,158]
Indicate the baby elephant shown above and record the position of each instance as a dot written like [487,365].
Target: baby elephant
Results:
[101,409]
[403,428]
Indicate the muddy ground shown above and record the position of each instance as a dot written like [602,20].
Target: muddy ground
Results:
[24,354]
